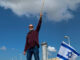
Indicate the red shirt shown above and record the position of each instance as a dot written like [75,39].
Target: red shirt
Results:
[32,37]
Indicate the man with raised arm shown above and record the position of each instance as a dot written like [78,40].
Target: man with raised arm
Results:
[32,41]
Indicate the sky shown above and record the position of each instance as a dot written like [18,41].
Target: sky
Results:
[59,19]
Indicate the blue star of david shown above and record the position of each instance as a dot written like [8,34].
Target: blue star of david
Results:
[69,54]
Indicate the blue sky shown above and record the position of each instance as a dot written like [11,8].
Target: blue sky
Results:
[13,31]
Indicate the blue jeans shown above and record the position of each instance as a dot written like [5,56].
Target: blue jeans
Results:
[33,51]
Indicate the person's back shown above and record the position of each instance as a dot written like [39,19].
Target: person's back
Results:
[32,41]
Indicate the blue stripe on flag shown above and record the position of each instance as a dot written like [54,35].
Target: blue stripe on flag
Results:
[58,55]
[70,49]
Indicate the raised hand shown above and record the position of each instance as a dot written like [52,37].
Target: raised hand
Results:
[40,14]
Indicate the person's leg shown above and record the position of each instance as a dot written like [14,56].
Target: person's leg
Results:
[36,53]
[29,54]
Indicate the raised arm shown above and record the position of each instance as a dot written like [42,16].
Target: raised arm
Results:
[39,23]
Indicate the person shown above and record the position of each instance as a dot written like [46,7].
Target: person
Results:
[32,41]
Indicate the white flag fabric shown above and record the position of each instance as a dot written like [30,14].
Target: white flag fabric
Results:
[67,52]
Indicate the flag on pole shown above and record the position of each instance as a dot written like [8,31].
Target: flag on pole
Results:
[67,52]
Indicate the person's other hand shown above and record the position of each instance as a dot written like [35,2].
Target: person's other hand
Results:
[24,52]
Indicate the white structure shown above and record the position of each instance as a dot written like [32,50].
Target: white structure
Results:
[44,51]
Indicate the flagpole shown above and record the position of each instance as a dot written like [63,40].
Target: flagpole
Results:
[68,38]
[42,6]
[12,58]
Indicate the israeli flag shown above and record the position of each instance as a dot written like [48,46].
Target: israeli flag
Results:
[67,52]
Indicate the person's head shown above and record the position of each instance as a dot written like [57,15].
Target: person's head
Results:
[31,27]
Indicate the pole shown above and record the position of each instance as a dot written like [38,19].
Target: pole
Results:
[42,6]
[69,40]
[12,58]
[44,51]
[20,56]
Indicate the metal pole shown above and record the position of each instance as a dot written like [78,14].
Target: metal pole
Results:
[68,38]
[12,58]
[44,51]
[42,6]
[20,56]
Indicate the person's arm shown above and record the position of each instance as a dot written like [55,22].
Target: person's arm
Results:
[39,23]
[26,46]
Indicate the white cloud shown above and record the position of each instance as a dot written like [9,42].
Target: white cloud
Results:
[57,10]
[51,49]
[3,48]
